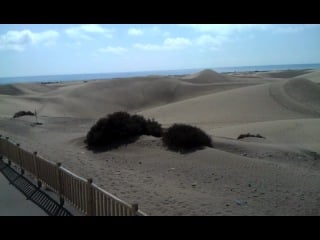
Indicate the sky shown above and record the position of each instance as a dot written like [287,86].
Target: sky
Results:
[50,49]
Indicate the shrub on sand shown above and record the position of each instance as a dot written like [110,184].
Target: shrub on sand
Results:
[153,128]
[23,113]
[120,128]
[184,138]
[249,135]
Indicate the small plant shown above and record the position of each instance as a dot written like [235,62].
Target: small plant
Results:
[23,113]
[249,135]
[185,138]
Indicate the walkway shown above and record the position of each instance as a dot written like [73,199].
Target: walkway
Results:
[23,198]
[14,203]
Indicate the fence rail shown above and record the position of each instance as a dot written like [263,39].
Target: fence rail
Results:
[87,197]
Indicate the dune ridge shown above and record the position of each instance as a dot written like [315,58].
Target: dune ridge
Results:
[96,98]
[206,76]
[299,95]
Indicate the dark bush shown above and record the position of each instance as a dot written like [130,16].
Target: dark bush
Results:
[139,124]
[120,128]
[153,128]
[23,113]
[249,135]
[185,138]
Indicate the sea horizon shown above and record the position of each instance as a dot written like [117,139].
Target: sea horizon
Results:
[112,75]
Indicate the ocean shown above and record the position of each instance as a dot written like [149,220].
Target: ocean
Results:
[92,76]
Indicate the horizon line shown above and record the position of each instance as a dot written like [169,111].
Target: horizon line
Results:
[160,70]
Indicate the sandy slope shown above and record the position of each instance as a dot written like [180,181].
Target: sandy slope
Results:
[207,182]
[250,104]
[278,175]
[206,76]
[312,75]
[94,99]
[285,74]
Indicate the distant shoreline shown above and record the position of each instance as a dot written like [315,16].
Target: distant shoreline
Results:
[175,73]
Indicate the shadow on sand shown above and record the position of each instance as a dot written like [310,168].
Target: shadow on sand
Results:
[109,147]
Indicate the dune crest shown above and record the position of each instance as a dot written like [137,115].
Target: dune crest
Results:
[286,73]
[313,76]
[297,94]
[248,104]
[93,99]
[206,76]
[10,89]
[304,91]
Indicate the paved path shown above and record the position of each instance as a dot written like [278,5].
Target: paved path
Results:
[14,203]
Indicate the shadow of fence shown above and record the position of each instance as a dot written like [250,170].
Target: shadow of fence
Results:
[32,192]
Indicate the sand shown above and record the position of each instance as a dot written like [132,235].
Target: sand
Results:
[277,175]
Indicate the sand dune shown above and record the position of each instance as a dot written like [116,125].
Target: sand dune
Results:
[9,90]
[206,76]
[312,76]
[249,104]
[280,132]
[298,95]
[285,74]
[97,98]
[275,175]
[305,92]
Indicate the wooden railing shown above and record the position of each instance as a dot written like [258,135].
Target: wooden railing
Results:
[81,193]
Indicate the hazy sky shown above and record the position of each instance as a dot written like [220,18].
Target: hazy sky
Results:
[45,49]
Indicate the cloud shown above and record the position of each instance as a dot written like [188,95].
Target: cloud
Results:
[92,28]
[228,29]
[87,30]
[289,28]
[115,50]
[168,44]
[213,36]
[147,47]
[155,29]
[178,42]
[209,41]
[135,32]
[225,29]
[166,34]
[203,41]
[19,40]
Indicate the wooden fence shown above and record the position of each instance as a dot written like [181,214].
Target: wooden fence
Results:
[81,193]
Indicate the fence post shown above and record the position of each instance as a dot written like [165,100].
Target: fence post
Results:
[20,159]
[35,162]
[90,211]
[134,209]
[7,146]
[59,184]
